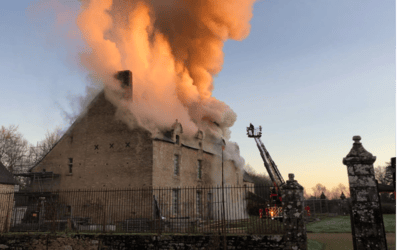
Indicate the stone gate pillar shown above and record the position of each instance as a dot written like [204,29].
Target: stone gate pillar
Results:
[293,215]
[366,215]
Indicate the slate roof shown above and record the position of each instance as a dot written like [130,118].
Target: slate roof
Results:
[5,176]
[246,177]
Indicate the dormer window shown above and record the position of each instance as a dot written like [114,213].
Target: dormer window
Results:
[177,139]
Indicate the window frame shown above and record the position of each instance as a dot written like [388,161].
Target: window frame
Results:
[199,203]
[176,165]
[199,169]
[176,192]
[70,165]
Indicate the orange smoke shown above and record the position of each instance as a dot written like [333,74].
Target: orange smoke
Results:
[173,48]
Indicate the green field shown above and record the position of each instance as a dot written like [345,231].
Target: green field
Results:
[314,245]
[341,224]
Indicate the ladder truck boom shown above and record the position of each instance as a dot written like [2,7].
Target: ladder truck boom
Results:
[269,164]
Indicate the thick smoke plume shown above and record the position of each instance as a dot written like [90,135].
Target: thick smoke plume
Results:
[173,49]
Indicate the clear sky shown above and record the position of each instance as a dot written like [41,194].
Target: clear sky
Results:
[312,73]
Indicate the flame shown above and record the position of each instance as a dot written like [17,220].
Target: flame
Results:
[272,214]
[173,48]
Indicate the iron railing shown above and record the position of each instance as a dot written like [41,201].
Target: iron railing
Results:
[189,210]
[329,207]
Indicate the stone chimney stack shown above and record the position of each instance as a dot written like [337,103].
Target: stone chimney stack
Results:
[125,77]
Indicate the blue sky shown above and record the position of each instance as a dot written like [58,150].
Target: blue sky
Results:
[312,73]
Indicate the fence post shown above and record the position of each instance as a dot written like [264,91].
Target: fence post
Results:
[293,218]
[367,229]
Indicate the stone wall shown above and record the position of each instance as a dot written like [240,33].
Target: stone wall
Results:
[105,152]
[6,205]
[366,214]
[293,215]
[211,167]
[125,242]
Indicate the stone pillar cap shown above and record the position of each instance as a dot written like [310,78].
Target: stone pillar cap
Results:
[292,183]
[357,139]
[357,154]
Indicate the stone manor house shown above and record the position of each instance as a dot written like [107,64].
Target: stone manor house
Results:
[100,152]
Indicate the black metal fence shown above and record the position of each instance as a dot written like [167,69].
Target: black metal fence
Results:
[329,207]
[189,210]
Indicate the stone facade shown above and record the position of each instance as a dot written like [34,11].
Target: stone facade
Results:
[293,215]
[100,152]
[366,215]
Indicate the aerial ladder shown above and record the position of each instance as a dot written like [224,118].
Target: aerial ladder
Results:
[273,172]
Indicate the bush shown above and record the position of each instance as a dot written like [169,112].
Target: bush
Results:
[388,208]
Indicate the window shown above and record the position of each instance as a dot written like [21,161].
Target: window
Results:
[237,178]
[176,165]
[199,173]
[210,206]
[198,203]
[177,139]
[72,138]
[70,165]
[200,145]
[175,201]
[68,211]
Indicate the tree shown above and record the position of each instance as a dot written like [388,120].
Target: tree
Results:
[384,175]
[344,189]
[318,189]
[44,146]
[18,155]
[335,193]
[13,147]
[262,181]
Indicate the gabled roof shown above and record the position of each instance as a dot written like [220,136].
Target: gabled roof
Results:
[5,176]
[80,116]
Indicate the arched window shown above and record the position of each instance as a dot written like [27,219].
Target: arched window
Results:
[177,139]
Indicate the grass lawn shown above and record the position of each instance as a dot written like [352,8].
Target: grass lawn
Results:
[314,245]
[341,224]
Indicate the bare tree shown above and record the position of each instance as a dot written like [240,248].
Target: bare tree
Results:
[335,193]
[261,181]
[318,189]
[36,153]
[384,175]
[13,147]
